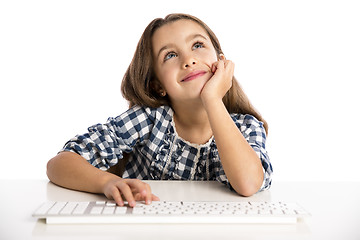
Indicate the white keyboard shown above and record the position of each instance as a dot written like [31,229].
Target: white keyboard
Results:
[170,212]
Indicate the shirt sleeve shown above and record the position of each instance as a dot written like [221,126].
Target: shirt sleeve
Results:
[103,145]
[254,132]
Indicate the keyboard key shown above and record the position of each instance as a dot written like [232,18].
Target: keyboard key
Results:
[108,210]
[276,211]
[44,208]
[120,210]
[57,208]
[69,208]
[80,208]
[110,204]
[96,210]
[138,211]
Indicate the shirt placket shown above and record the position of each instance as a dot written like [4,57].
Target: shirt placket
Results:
[168,160]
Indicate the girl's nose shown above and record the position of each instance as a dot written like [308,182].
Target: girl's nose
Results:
[188,65]
[190,61]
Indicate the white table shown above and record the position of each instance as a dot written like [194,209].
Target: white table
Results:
[334,206]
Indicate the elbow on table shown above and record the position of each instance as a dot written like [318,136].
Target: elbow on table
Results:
[247,190]
[54,164]
[49,167]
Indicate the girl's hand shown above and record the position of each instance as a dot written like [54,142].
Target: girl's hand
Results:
[218,85]
[131,190]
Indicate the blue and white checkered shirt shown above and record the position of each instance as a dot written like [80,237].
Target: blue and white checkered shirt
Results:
[158,152]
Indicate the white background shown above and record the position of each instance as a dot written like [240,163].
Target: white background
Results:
[61,65]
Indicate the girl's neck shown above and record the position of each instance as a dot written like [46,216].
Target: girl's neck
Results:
[192,123]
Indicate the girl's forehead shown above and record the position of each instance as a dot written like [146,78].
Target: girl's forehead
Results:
[177,31]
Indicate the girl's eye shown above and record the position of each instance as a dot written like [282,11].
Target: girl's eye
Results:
[169,55]
[198,45]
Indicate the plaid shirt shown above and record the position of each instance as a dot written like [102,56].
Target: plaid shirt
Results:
[158,152]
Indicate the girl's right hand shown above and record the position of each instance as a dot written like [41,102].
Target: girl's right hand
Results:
[131,190]
[221,81]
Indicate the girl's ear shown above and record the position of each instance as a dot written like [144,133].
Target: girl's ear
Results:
[157,88]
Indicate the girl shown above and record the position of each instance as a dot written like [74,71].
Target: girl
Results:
[188,120]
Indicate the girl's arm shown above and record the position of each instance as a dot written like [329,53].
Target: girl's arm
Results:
[83,160]
[72,171]
[241,164]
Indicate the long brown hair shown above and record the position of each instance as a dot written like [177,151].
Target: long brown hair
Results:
[139,80]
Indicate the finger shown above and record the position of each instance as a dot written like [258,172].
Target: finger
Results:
[139,187]
[229,67]
[228,63]
[155,198]
[117,196]
[232,68]
[127,193]
[213,67]
[145,192]
[112,192]
[230,73]
[217,66]
[148,194]
[143,189]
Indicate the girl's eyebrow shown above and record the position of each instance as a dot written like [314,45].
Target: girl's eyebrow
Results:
[189,38]
[164,48]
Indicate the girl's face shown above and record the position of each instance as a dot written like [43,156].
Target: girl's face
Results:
[183,55]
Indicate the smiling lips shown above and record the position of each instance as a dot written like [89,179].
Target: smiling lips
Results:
[193,75]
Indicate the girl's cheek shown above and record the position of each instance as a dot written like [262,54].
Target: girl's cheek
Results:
[169,76]
[213,58]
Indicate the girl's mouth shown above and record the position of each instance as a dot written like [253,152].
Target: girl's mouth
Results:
[193,75]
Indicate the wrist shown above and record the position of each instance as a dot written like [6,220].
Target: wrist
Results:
[104,179]
[211,102]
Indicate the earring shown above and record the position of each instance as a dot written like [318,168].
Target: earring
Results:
[162,93]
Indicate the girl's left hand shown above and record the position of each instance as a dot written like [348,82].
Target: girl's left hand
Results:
[218,85]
